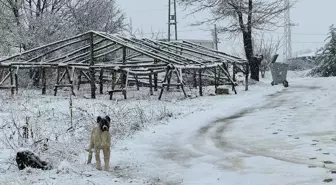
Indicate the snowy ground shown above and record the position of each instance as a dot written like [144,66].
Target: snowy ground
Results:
[268,135]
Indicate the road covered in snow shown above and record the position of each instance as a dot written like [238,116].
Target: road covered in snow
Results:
[269,135]
[273,135]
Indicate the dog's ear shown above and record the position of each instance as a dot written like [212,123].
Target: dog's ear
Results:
[108,118]
[99,119]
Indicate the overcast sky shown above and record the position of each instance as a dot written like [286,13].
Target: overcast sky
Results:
[313,16]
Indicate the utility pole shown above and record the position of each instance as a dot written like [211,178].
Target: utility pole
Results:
[131,26]
[287,51]
[215,36]
[172,19]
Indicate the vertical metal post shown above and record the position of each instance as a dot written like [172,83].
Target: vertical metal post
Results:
[124,59]
[155,78]
[215,74]
[11,79]
[79,79]
[92,70]
[200,82]
[169,2]
[234,71]
[216,37]
[124,55]
[113,79]
[57,79]
[44,84]
[16,81]
[101,84]
[194,78]
[175,19]
[172,17]
[246,76]
[150,84]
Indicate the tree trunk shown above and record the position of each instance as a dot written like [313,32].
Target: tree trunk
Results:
[247,39]
[248,47]
[254,66]
[247,35]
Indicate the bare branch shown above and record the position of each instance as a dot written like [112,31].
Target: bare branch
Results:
[240,17]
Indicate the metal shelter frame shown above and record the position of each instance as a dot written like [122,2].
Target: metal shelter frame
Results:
[90,55]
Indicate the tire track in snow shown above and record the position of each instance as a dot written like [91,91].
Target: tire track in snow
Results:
[202,145]
[214,133]
[205,133]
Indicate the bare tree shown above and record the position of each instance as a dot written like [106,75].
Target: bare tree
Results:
[6,35]
[140,33]
[37,22]
[268,48]
[241,17]
[131,31]
[34,22]
[100,15]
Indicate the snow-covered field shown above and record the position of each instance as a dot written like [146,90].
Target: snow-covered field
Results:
[268,135]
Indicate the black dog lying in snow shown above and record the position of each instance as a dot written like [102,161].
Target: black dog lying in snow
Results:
[27,158]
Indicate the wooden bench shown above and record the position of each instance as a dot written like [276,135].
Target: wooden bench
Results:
[63,85]
[123,91]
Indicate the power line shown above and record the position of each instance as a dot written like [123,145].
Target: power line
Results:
[306,42]
[279,33]
[150,10]
[310,34]
[150,33]
[190,30]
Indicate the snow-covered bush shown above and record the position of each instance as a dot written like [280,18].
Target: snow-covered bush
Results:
[300,64]
[327,58]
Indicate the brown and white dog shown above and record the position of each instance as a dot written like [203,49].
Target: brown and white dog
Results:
[101,140]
